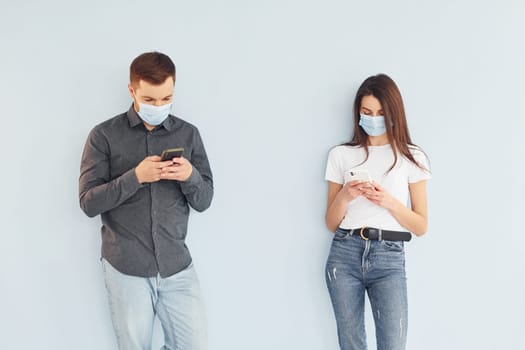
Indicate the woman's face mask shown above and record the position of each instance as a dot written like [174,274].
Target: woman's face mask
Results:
[373,126]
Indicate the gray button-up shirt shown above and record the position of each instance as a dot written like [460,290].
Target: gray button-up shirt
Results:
[143,225]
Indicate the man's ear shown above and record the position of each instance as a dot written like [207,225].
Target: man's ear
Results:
[132,93]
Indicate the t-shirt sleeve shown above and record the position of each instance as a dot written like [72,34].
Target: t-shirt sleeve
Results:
[334,171]
[417,174]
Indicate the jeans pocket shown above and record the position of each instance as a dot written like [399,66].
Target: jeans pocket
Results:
[340,235]
[393,246]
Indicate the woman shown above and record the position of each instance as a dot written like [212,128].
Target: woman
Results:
[371,218]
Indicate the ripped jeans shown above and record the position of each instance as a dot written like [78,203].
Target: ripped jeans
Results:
[377,267]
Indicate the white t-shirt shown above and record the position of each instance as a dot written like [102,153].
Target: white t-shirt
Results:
[361,212]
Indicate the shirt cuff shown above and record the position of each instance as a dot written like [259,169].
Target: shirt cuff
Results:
[130,182]
[194,180]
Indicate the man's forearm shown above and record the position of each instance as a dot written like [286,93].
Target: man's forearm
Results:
[198,190]
[97,199]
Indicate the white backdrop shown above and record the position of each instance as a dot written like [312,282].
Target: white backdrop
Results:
[270,85]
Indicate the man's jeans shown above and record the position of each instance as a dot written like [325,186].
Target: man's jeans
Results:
[377,267]
[135,301]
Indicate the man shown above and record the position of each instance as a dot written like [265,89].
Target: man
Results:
[144,205]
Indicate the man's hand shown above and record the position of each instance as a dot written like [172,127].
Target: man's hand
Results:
[150,169]
[180,170]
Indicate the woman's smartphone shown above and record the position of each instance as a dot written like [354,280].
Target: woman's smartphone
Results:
[170,153]
[358,175]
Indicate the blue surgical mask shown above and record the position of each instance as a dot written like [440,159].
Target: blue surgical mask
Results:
[154,115]
[373,126]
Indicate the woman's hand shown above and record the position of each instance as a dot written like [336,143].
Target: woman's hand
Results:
[338,198]
[379,196]
[414,219]
[353,189]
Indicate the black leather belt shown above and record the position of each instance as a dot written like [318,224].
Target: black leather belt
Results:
[376,234]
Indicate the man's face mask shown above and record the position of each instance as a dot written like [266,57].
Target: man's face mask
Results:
[154,115]
[149,97]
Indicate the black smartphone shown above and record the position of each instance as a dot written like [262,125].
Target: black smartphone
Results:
[170,153]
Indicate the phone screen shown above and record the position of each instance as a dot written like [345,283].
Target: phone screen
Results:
[169,154]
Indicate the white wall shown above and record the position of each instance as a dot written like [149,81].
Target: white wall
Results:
[270,85]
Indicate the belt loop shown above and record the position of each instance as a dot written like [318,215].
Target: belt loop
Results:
[380,235]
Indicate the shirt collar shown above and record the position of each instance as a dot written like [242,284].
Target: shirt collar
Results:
[134,119]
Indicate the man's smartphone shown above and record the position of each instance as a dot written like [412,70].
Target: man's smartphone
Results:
[358,174]
[170,153]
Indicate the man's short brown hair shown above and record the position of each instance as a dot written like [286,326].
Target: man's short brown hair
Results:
[152,67]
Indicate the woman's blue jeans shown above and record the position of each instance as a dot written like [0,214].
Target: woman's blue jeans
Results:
[377,267]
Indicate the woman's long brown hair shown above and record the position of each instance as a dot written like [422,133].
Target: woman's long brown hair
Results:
[383,88]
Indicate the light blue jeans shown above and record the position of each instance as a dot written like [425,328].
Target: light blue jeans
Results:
[356,266]
[135,301]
